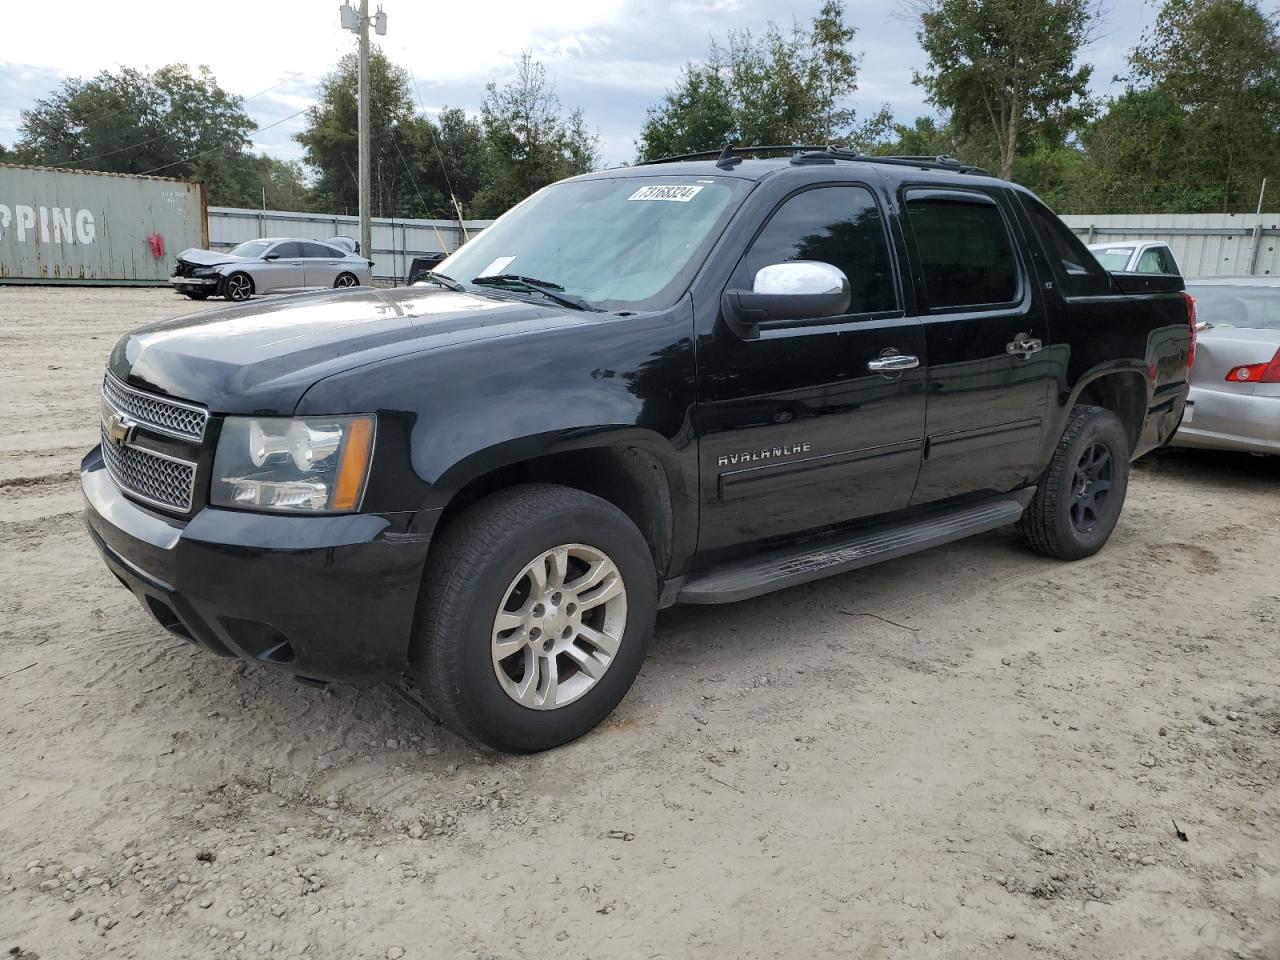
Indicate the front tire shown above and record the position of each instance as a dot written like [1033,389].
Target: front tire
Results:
[536,616]
[1078,501]
[238,287]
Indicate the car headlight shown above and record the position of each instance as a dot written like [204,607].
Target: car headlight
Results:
[205,272]
[300,465]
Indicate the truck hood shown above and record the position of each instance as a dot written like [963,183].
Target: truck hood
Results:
[206,258]
[260,357]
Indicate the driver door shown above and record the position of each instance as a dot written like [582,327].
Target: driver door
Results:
[798,430]
[283,271]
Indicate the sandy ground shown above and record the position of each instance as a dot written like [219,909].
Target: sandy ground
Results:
[972,752]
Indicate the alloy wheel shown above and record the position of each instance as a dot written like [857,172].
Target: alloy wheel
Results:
[1091,486]
[239,287]
[559,627]
[346,280]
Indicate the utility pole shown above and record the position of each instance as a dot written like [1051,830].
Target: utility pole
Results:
[358,23]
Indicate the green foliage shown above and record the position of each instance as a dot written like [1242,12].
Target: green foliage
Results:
[528,140]
[1007,67]
[137,122]
[790,87]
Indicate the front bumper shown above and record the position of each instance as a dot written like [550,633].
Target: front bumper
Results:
[325,597]
[206,284]
[1219,420]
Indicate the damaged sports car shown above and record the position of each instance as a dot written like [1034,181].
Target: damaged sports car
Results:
[271,265]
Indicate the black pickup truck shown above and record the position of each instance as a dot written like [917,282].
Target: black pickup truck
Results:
[694,381]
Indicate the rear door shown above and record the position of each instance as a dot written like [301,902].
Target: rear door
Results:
[283,272]
[798,429]
[985,330]
[320,265]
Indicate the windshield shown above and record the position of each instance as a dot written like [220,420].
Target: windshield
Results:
[630,243]
[1225,305]
[1113,258]
[251,248]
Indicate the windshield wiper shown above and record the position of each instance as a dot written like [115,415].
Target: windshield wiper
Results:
[445,281]
[552,291]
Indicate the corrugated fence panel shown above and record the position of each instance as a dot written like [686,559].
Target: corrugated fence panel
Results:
[1204,244]
[77,226]
[395,242]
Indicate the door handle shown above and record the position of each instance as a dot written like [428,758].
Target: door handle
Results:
[893,363]
[1024,345]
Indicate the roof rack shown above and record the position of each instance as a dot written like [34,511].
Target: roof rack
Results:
[729,156]
[831,154]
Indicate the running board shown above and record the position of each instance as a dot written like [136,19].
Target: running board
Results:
[838,554]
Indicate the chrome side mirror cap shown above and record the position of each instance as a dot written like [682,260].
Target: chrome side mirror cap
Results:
[795,290]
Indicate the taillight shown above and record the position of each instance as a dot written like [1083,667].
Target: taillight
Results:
[1257,372]
[1191,322]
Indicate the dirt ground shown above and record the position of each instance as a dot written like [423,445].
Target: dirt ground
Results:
[972,752]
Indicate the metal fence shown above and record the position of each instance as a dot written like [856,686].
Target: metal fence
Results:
[395,242]
[1204,244]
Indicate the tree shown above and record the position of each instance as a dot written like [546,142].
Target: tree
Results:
[171,122]
[529,140]
[791,87]
[1007,65]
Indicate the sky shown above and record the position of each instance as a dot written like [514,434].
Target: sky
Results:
[611,58]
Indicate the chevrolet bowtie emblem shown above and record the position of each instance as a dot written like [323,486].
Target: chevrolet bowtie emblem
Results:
[120,429]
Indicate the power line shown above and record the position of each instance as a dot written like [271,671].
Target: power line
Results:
[225,146]
[143,143]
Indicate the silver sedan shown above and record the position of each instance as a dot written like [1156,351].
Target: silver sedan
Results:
[271,265]
[1234,402]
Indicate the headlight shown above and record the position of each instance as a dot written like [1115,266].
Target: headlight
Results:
[205,272]
[303,465]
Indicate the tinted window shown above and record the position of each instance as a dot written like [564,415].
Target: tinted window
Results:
[287,250]
[964,250]
[1078,271]
[1252,307]
[316,250]
[841,226]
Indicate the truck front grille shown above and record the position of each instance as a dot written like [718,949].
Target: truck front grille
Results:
[159,413]
[157,479]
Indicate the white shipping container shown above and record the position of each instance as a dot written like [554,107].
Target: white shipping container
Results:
[83,226]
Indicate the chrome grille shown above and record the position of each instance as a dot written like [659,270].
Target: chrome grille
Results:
[149,476]
[168,416]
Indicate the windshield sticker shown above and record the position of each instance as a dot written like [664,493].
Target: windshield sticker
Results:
[497,267]
[676,194]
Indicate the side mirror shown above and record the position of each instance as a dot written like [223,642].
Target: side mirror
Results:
[795,290]
[271,256]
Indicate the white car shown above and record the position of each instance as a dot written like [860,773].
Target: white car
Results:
[271,265]
[1134,257]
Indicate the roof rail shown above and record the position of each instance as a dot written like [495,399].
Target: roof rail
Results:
[830,154]
[732,151]
[729,155]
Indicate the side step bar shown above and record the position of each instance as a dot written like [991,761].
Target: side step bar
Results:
[843,552]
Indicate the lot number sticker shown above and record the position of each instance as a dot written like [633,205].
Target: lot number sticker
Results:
[676,194]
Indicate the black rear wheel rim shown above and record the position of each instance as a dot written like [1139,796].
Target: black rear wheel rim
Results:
[1091,486]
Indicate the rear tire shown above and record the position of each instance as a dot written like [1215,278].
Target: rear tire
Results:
[1078,501]
[497,645]
[344,280]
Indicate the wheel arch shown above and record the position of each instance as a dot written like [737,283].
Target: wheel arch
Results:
[1125,392]
[621,470]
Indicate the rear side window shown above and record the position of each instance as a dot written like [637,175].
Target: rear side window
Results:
[1157,260]
[963,247]
[1076,270]
[289,250]
[839,225]
[319,250]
